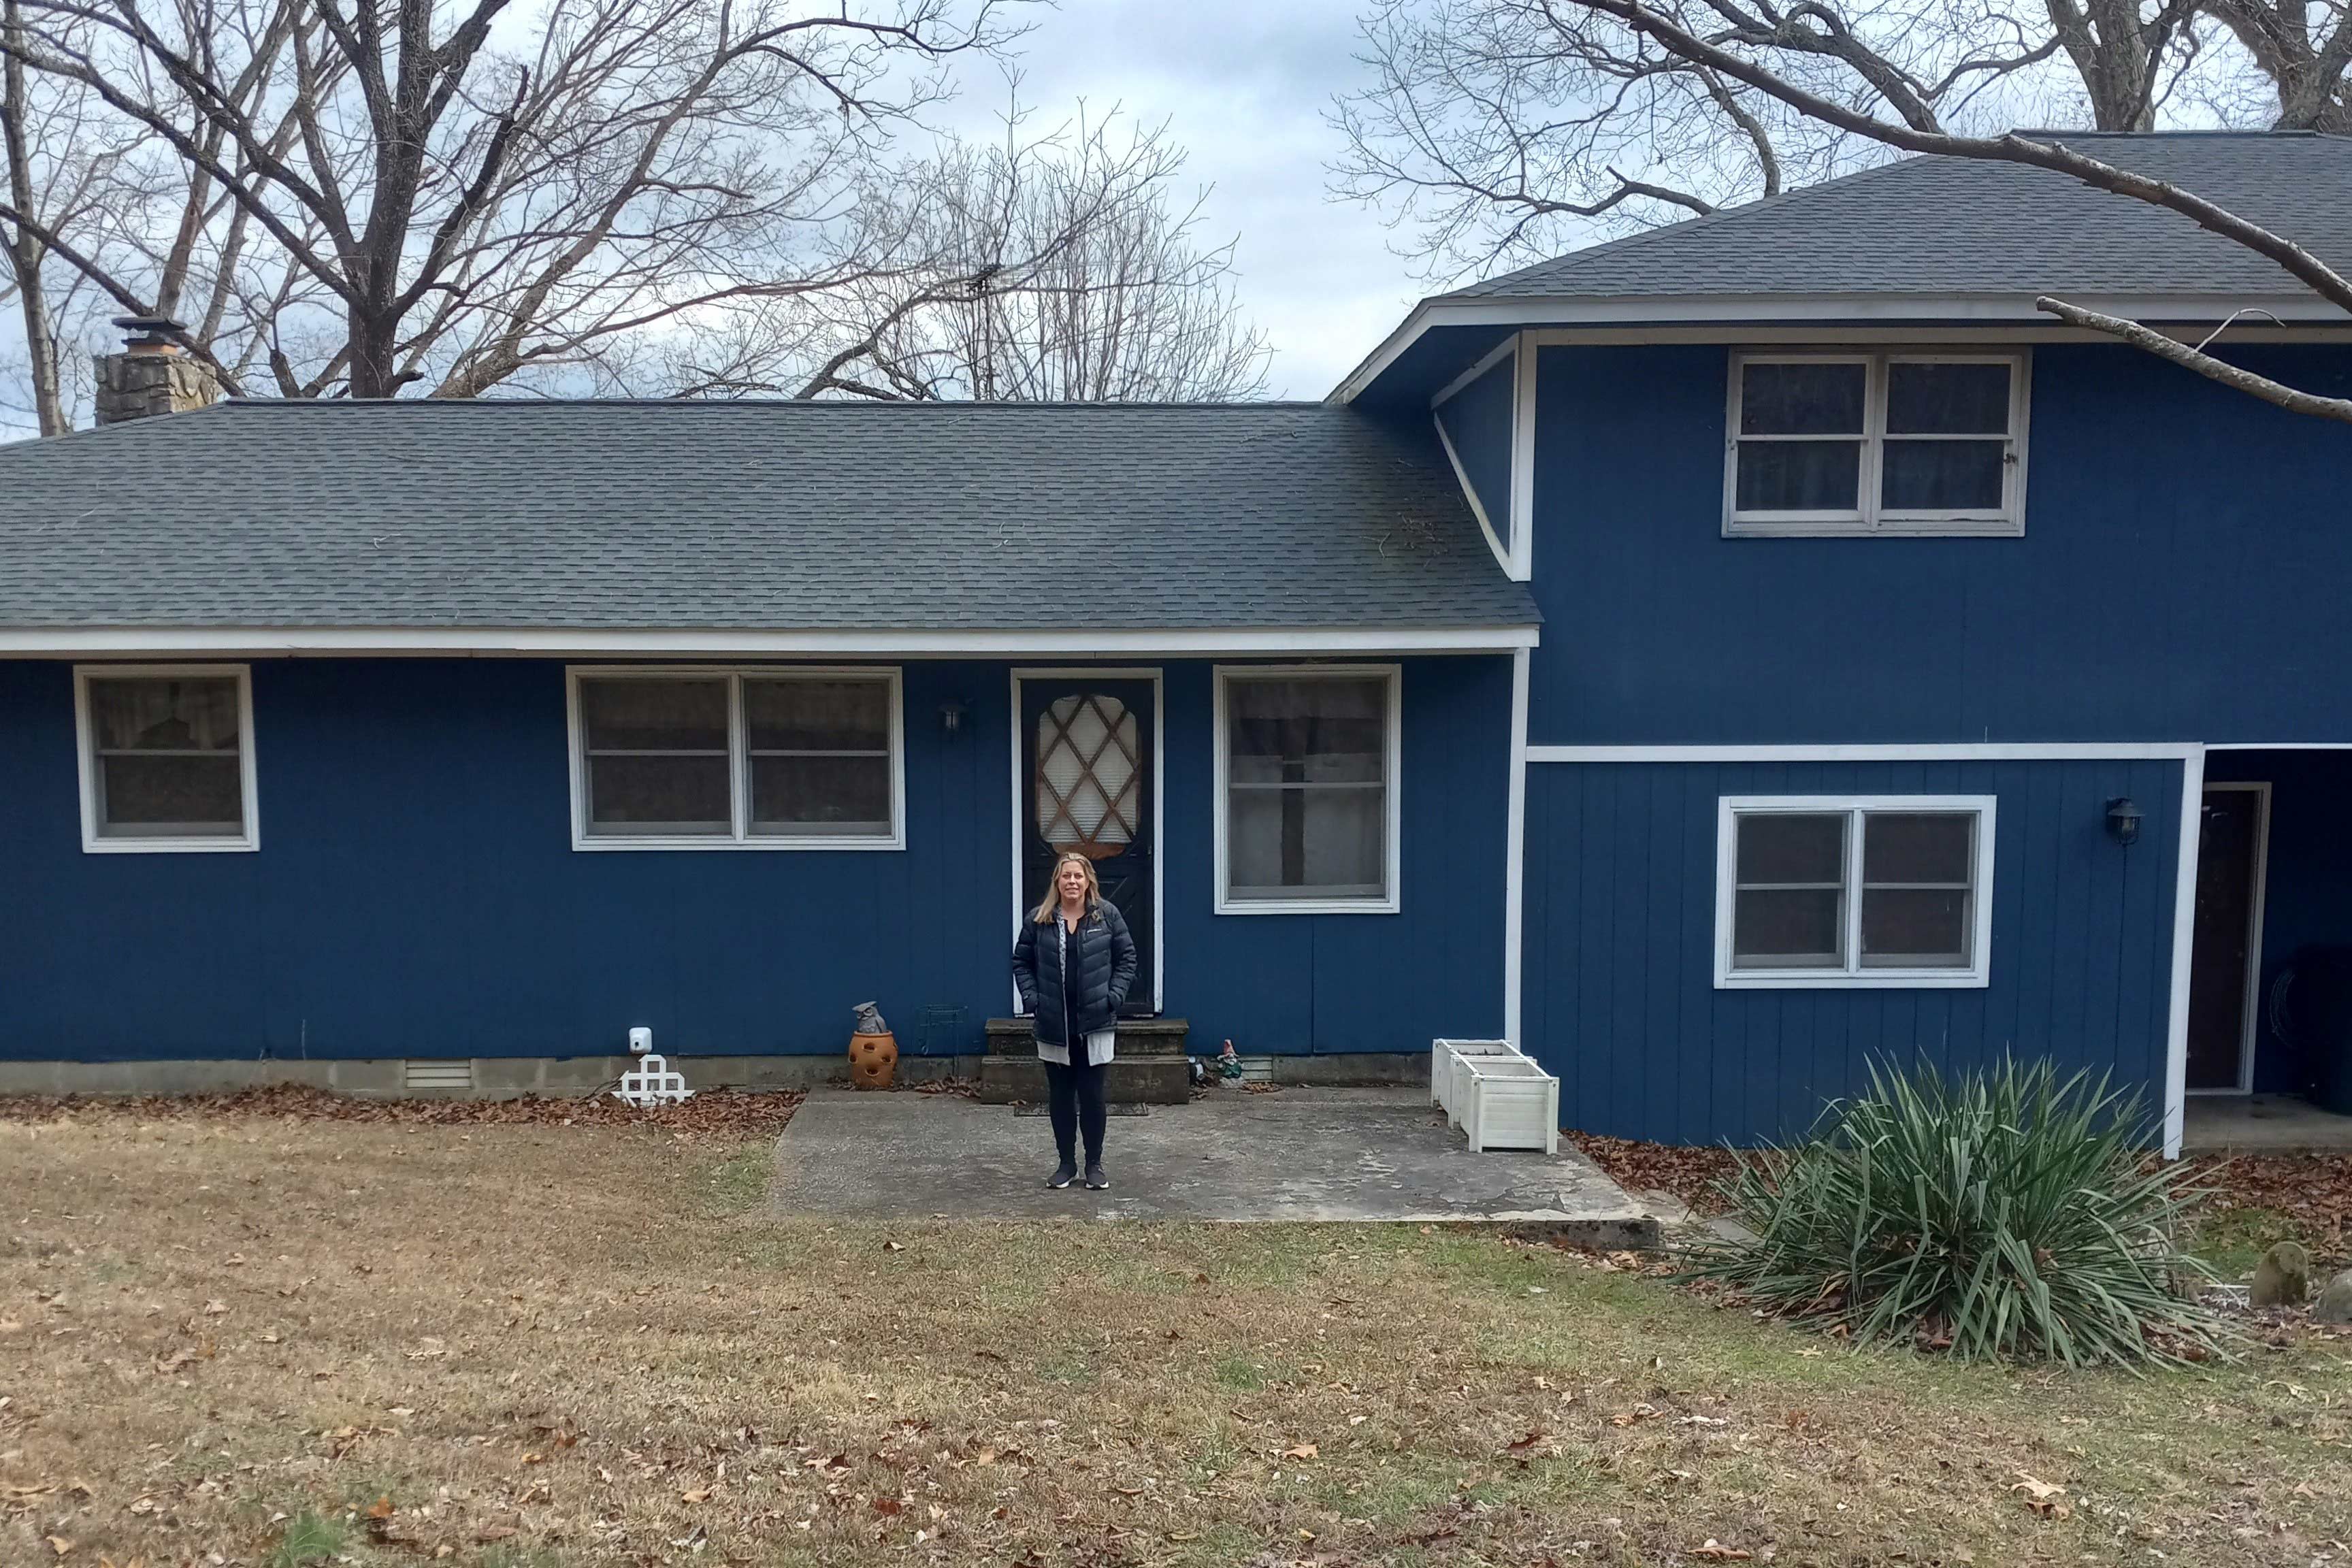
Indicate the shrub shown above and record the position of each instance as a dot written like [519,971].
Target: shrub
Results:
[2004,1214]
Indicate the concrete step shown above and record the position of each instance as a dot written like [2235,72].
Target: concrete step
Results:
[1137,1036]
[1141,1079]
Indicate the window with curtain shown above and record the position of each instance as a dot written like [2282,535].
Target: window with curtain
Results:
[765,758]
[166,758]
[1308,792]
[1861,443]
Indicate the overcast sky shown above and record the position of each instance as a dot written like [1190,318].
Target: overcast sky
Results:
[1244,85]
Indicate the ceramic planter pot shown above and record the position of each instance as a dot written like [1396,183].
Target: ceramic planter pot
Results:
[873,1061]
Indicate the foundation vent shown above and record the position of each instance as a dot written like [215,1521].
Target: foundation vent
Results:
[438,1077]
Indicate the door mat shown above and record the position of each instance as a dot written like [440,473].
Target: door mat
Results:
[1109,1110]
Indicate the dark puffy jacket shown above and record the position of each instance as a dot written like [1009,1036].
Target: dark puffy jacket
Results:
[1105,957]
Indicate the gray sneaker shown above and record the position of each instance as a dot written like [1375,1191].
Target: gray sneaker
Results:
[1064,1175]
[1096,1180]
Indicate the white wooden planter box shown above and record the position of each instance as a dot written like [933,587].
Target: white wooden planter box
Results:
[1445,1057]
[1507,1102]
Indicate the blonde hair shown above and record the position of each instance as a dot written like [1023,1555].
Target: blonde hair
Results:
[1053,884]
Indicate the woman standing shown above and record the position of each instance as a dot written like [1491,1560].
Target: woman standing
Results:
[1073,963]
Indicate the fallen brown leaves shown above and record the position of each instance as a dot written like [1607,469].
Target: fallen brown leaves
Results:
[1688,1173]
[2315,1190]
[752,1113]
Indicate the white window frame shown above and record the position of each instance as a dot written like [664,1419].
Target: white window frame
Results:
[1870,519]
[93,842]
[1852,977]
[1389,901]
[739,770]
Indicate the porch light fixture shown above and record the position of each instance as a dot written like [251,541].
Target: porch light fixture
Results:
[2122,819]
[952,717]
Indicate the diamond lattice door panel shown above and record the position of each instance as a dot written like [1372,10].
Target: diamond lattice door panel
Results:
[1090,775]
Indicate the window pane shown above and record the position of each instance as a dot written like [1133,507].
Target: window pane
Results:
[639,715]
[1942,476]
[155,796]
[820,794]
[1801,399]
[1789,930]
[1915,928]
[818,715]
[1946,399]
[1800,475]
[1779,848]
[165,714]
[634,794]
[1306,842]
[1307,731]
[1921,847]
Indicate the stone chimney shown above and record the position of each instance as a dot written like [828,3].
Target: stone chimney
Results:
[151,376]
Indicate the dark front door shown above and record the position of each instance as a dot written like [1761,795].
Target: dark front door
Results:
[2221,957]
[1086,759]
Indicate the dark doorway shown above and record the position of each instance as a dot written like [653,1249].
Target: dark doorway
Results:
[2223,962]
[1086,767]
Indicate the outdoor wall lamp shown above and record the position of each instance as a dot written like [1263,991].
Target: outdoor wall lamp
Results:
[2122,819]
[952,717]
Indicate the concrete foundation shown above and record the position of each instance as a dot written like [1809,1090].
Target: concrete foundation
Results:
[494,1078]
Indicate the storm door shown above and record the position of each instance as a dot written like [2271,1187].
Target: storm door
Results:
[1088,778]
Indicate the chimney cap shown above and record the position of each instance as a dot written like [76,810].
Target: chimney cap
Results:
[150,334]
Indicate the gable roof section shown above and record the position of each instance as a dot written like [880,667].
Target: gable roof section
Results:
[1961,226]
[750,517]
[1932,240]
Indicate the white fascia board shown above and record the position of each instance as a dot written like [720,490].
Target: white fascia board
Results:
[1733,310]
[262,642]
[1931,751]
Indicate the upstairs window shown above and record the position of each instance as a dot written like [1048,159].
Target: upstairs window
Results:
[167,757]
[1876,443]
[1892,890]
[693,758]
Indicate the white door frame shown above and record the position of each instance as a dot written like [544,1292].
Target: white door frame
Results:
[1158,803]
[2249,1008]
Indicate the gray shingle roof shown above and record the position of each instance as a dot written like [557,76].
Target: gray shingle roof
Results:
[739,516]
[1957,226]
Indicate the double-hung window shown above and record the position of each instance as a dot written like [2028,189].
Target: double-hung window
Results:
[1876,443]
[1893,891]
[1306,789]
[761,758]
[167,757]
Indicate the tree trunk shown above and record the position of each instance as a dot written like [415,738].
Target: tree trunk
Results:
[25,254]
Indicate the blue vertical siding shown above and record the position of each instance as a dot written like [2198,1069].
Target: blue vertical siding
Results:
[417,892]
[1620,1001]
[1478,421]
[2179,576]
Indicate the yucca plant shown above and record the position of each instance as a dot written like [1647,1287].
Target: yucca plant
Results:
[2007,1213]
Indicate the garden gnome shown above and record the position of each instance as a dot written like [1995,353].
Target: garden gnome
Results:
[2282,1279]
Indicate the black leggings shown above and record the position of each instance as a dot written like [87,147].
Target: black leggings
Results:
[1075,1096]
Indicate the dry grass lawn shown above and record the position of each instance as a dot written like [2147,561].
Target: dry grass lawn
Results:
[260,1340]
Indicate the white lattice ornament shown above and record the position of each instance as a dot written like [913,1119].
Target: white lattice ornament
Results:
[651,1082]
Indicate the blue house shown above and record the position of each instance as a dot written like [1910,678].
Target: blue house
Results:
[1715,659]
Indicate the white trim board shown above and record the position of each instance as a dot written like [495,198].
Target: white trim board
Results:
[1656,311]
[572,642]
[1515,843]
[1158,806]
[1513,553]
[1393,901]
[2249,1010]
[1895,751]
[2184,941]
[93,842]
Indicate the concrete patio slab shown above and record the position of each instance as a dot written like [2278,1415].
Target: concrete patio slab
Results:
[1349,1155]
[2261,1125]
